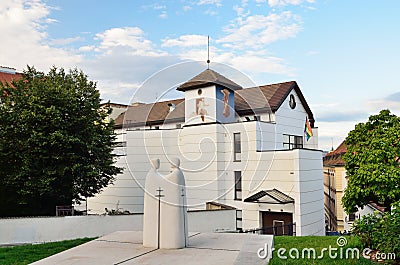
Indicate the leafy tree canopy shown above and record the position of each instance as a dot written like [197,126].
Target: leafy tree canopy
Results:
[372,162]
[55,146]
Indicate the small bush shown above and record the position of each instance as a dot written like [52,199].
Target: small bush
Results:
[368,228]
[380,233]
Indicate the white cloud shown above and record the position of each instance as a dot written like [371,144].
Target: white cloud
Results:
[210,2]
[65,41]
[333,131]
[22,26]
[210,12]
[196,54]
[249,62]
[377,105]
[274,3]
[252,63]
[335,120]
[311,53]
[240,11]
[120,71]
[186,41]
[130,39]
[124,58]
[163,15]
[254,32]
[158,7]
[87,48]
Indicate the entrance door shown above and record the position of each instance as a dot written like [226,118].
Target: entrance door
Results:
[279,227]
[277,223]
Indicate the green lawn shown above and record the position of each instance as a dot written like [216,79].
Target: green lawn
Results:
[318,243]
[19,255]
[27,254]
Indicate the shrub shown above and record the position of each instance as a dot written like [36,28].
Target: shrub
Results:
[380,233]
[367,229]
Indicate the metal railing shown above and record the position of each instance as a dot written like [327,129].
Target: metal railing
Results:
[65,210]
[277,230]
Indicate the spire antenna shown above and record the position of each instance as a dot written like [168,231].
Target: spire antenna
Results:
[208,51]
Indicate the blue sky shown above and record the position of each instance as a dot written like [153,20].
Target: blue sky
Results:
[343,54]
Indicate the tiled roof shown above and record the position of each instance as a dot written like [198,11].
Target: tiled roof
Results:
[206,78]
[334,158]
[248,101]
[8,77]
[154,113]
[274,194]
[270,97]
[377,207]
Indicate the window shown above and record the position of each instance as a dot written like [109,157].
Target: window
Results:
[352,217]
[292,142]
[119,144]
[237,149]
[238,220]
[119,148]
[238,185]
[292,102]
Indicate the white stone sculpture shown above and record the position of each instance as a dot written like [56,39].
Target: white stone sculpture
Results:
[165,215]
[150,217]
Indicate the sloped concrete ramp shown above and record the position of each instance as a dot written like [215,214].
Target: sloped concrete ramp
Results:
[125,247]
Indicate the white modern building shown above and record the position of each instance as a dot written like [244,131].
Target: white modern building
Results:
[242,148]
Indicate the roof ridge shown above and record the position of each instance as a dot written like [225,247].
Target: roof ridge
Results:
[207,77]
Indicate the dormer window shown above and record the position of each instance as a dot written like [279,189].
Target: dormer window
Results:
[171,106]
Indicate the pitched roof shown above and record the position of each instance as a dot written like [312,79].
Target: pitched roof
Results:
[248,101]
[6,77]
[154,113]
[277,197]
[377,206]
[253,99]
[208,77]
[334,158]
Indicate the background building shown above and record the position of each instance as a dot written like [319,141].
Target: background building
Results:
[8,74]
[335,183]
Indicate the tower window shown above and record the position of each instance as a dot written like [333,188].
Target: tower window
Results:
[237,149]
[238,185]
[238,220]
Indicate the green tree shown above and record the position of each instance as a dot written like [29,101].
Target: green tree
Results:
[55,146]
[372,162]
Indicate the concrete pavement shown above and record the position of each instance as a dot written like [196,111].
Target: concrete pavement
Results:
[125,247]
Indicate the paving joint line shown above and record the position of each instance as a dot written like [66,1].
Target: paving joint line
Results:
[225,249]
[114,241]
[195,234]
[121,262]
